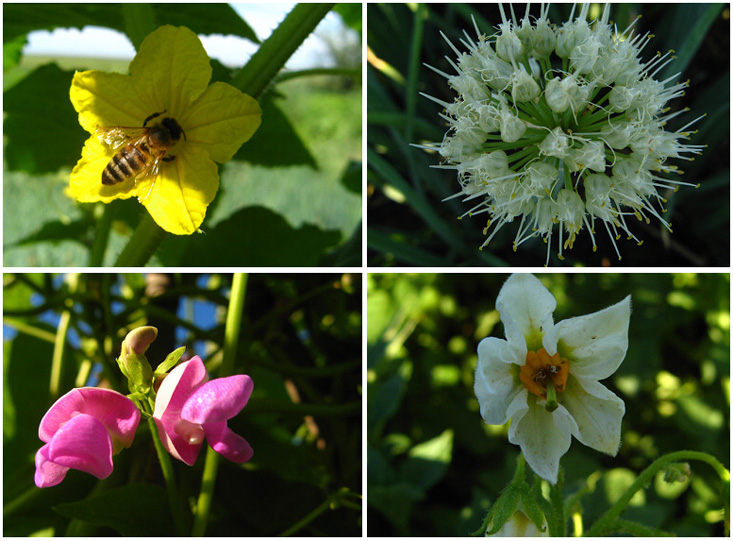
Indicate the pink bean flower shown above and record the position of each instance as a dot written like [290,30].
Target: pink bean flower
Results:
[189,407]
[82,430]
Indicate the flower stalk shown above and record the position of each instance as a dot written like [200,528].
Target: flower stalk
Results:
[603,525]
[231,340]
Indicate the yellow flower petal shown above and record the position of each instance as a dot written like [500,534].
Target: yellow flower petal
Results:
[85,183]
[170,70]
[221,120]
[106,99]
[170,73]
[182,192]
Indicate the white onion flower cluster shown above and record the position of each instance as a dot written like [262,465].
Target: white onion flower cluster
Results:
[555,127]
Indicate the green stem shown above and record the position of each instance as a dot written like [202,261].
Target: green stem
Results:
[168,476]
[353,73]
[232,331]
[332,501]
[101,236]
[59,347]
[602,525]
[30,330]
[279,47]
[142,245]
[234,323]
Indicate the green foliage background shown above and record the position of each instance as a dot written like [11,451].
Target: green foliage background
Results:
[287,198]
[300,341]
[408,223]
[434,466]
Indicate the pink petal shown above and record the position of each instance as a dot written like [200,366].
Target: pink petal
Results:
[48,474]
[116,412]
[218,400]
[84,444]
[176,444]
[227,443]
[177,386]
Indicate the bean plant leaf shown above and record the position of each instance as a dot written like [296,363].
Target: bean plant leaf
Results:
[132,510]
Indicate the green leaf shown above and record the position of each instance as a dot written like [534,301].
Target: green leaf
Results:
[132,510]
[400,250]
[351,14]
[26,397]
[695,20]
[19,19]
[395,502]
[428,461]
[351,179]
[276,127]
[55,231]
[384,398]
[170,361]
[205,19]
[41,126]
[253,237]
[12,50]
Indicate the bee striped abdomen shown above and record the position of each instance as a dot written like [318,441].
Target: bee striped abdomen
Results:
[126,164]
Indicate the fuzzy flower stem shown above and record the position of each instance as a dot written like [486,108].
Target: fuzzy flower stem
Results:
[266,63]
[231,340]
[143,243]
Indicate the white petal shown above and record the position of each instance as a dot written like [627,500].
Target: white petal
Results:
[543,436]
[525,307]
[494,386]
[597,342]
[597,412]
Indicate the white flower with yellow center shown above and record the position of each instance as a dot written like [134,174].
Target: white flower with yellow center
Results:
[545,376]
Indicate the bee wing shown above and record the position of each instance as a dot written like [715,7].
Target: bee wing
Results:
[116,136]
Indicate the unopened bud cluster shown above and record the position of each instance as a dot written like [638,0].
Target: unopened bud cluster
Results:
[555,127]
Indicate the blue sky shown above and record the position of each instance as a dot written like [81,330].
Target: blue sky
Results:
[229,50]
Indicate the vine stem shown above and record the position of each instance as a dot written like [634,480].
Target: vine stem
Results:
[59,346]
[231,341]
[600,526]
[168,476]
[143,243]
[279,47]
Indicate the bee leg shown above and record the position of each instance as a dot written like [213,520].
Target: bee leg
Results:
[168,158]
[151,117]
[152,185]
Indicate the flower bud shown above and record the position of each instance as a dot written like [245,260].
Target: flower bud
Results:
[508,44]
[556,144]
[525,88]
[132,362]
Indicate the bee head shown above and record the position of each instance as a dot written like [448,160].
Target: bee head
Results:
[174,128]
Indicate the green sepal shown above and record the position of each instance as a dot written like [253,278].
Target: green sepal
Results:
[170,361]
[138,372]
[532,508]
[504,508]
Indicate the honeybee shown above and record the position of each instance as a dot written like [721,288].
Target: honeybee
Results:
[143,151]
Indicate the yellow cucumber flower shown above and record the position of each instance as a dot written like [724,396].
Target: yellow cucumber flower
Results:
[167,90]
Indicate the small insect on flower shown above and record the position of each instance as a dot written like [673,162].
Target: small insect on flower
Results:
[144,149]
